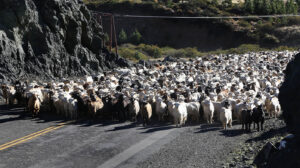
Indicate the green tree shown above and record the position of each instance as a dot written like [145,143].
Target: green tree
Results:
[298,2]
[258,6]
[106,39]
[136,37]
[248,6]
[215,2]
[267,6]
[274,7]
[122,37]
[227,3]
[137,55]
[282,7]
[296,8]
[291,7]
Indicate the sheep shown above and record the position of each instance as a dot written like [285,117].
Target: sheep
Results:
[82,106]
[55,103]
[235,80]
[238,110]
[161,108]
[226,115]
[208,110]
[194,97]
[73,109]
[179,114]
[122,107]
[94,105]
[146,112]
[217,109]
[64,104]
[272,106]
[5,89]
[37,91]
[20,93]
[134,109]
[34,105]
[112,107]
[170,108]
[9,94]
[193,109]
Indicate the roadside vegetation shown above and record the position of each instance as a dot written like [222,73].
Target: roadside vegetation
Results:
[209,7]
[147,52]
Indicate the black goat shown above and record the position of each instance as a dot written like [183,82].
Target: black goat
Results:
[246,116]
[81,104]
[258,116]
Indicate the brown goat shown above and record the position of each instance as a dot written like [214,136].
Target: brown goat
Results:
[146,112]
[5,93]
[94,105]
[34,105]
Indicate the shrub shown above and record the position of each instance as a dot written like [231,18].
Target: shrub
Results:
[266,27]
[122,37]
[136,37]
[269,39]
[152,50]
[127,53]
[131,52]
[191,52]
[137,55]
[106,39]
[245,24]
[244,48]
[294,21]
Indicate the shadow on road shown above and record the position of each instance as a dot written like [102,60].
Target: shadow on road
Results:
[11,110]
[123,127]
[208,127]
[156,129]
[10,119]
[15,112]
[268,134]
[232,132]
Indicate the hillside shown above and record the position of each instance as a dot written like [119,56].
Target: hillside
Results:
[206,35]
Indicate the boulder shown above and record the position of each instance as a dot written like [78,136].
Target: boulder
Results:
[289,96]
[266,152]
[51,38]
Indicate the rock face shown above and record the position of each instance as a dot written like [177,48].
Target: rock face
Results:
[289,96]
[50,38]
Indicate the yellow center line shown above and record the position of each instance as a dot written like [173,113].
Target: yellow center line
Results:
[29,138]
[33,135]
[26,136]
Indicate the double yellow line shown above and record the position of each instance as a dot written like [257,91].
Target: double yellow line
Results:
[33,135]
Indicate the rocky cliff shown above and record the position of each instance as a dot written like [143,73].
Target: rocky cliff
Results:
[50,38]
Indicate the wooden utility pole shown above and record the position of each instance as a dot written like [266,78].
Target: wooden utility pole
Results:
[115,34]
[111,32]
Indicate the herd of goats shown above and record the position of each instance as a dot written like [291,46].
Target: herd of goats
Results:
[218,88]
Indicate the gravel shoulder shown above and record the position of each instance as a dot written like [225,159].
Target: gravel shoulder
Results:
[210,146]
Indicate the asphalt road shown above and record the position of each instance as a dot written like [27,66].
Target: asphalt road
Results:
[111,144]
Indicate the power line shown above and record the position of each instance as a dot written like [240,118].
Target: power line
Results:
[200,17]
